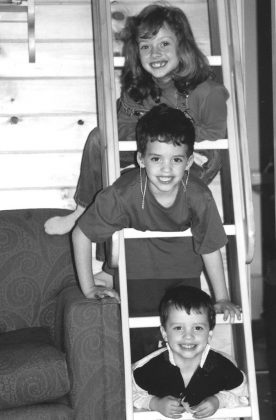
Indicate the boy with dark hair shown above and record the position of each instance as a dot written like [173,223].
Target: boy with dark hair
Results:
[161,195]
[186,375]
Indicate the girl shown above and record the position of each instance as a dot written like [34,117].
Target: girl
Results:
[163,64]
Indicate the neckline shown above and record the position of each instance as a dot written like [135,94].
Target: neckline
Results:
[164,85]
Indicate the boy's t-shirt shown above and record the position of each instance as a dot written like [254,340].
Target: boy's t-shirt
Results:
[120,206]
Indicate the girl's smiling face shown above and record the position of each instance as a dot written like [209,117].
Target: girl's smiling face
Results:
[165,164]
[186,334]
[159,54]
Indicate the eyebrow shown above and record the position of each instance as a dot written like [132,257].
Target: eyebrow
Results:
[174,156]
[141,39]
[196,323]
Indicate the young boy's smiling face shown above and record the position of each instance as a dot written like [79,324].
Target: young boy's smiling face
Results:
[186,334]
[165,165]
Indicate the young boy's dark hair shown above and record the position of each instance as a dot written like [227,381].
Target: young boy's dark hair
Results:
[165,124]
[187,298]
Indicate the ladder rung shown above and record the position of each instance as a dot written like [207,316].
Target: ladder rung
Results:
[131,233]
[221,413]
[214,60]
[154,321]
[125,146]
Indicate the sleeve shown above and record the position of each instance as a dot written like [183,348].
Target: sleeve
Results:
[235,397]
[104,216]
[141,398]
[208,107]
[207,228]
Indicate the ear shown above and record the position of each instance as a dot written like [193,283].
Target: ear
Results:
[190,161]
[163,333]
[210,336]
[140,160]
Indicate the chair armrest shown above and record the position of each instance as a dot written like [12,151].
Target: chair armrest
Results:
[91,331]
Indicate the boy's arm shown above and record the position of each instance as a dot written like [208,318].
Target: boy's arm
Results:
[214,267]
[141,398]
[168,406]
[235,397]
[83,259]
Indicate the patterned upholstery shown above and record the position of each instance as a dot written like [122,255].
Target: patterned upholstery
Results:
[38,288]
[33,370]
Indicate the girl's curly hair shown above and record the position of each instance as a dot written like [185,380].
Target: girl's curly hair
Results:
[193,65]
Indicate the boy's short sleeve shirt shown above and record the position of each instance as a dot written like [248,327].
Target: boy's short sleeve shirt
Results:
[120,206]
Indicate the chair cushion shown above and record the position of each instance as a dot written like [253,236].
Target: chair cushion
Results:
[32,369]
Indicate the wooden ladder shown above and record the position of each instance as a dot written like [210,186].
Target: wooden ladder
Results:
[240,233]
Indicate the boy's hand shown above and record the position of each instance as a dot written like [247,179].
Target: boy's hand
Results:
[206,408]
[168,406]
[100,292]
[228,308]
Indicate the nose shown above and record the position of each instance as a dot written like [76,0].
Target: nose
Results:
[187,333]
[155,51]
[166,166]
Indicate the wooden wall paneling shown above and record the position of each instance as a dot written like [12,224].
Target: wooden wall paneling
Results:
[45,133]
[53,59]
[39,170]
[47,96]
[53,21]
[37,198]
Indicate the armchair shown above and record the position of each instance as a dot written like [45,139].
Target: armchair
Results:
[60,353]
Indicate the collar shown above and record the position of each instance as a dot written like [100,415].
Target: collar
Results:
[203,356]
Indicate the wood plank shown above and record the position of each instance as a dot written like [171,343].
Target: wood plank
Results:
[39,170]
[37,198]
[52,22]
[55,59]
[47,96]
[53,133]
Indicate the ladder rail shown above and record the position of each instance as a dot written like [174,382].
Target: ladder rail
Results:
[224,11]
[106,98]
[243,143]
[125,328]
[106,91]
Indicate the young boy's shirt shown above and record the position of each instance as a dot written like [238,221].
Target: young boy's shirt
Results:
[120,206]
[157,375]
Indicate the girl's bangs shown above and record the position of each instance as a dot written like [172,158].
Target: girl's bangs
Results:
[148,30]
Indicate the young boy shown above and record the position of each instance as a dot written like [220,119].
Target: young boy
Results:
[158,196]
[186,375]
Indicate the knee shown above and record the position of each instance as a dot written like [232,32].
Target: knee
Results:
[93,141]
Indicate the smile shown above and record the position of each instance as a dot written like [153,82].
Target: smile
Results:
[165,179]
[158,64]
[188,346]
